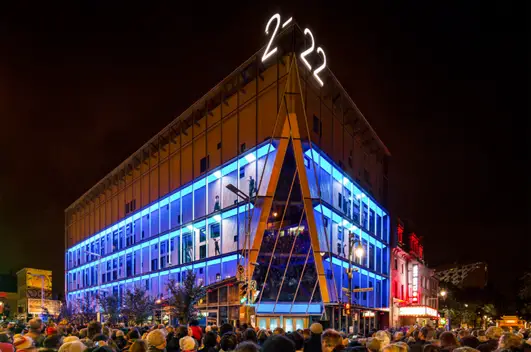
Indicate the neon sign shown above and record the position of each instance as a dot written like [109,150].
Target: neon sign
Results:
[415,283]
[270,51]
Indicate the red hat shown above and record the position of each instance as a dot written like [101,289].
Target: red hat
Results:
[51,331]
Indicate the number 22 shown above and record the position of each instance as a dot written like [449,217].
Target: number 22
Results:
[307,52]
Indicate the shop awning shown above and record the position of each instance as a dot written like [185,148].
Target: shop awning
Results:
[418,312]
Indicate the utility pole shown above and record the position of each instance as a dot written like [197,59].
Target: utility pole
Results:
[247,240]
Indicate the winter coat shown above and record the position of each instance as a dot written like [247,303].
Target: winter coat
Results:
[6,347]
[313,344]
[197,333]
[418,346]
[154,349]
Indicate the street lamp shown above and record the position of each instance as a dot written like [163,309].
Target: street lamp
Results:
[358,252]
[443,293]
[247,242]
[98,315]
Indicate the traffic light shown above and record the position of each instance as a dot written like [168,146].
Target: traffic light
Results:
[243,292]
[347,309]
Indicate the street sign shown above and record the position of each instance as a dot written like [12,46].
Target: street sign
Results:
[367,289]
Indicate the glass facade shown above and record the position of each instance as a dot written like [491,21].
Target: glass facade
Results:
[196,227]
[286,273]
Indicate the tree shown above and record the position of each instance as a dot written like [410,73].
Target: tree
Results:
[185,296]
[138,306]
[110,304]
[524,295]
[84,309]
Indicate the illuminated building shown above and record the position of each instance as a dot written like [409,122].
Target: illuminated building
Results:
[414,288]
[314,170]
[34,291]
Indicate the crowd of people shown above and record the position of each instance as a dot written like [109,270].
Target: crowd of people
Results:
[95,337]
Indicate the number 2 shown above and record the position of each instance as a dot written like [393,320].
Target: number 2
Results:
[308,51]
[320,68]
[268,53]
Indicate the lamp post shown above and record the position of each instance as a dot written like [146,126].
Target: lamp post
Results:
[98,315]
[247,241]
[443,295]
[358,252]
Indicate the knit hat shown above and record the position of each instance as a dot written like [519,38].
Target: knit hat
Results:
[23,342]
[187,343]
[51,331]
[316,328]
[156,339]
[70,339]
[74,346]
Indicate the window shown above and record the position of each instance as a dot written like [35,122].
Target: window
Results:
[243,147]
[339,199]
[396,264]
[402,292]
[214,230]
[204,164]
[219,146]
[242,172]
[402,268]
[202,252]
[306,162]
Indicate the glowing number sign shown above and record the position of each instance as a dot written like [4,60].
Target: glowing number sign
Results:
[269,51]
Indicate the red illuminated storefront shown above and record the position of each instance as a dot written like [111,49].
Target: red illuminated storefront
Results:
[413,285]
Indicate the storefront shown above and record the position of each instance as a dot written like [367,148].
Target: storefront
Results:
[417,315]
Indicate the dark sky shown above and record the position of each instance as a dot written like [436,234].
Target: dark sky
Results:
[82,87]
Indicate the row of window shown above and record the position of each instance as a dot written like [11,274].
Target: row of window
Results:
[206,196]
[338,190]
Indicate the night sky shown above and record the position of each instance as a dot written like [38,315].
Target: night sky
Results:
[81,88]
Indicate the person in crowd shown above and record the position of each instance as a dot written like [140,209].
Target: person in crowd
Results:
[225,328]
[119,339]
[35,331]
[331,341]
[94,328]
[492,334]
[462,334]
[448,342]
[24,343]
[249,334]
[383,336]
[210,342]
[73,346]
[197,333]
[228,342]
[393,347]
[247,346]
[156,341]
[420,340]
[262,337]
[469,341]
[297,339]
[431,348]
[313,344]
[306,334]
[51,343]
[398,336]
[6,343]
[373,344]
[138,346]
[277,343]
[173,341]
[509,343]
[279,331]
[132,336]
[465,349]
[188,344]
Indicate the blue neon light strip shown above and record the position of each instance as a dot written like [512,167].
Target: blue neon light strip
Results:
[329,213]
[342,177]
[155,240]
[184,267]
[214,175]
[345,265]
